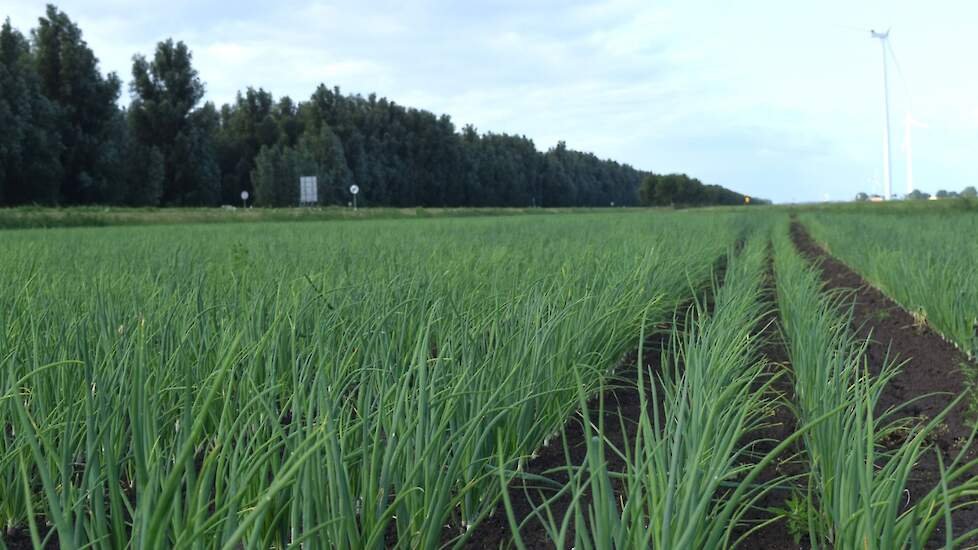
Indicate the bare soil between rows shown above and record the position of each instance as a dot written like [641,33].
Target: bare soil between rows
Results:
[932,368]
[20,539]
[622,401]
[781,425]
[622,408]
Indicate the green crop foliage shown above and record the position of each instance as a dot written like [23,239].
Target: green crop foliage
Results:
[335,384]
[857,496]
[380,383]
[691,472]
[924,259]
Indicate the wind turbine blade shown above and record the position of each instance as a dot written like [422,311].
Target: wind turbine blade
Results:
[896,63]
[903,78]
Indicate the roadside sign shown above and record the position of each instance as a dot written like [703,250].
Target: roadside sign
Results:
[354,189]
[308,190]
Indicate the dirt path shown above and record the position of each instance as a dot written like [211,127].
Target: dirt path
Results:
[621,401]
[932,365]
[783,423]
[622,407]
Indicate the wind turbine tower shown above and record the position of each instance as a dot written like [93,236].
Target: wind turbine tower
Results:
[887,178]
[909,122]
[908,148]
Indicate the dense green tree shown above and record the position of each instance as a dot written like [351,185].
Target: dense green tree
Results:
[290,126]
[276,175]
[646,191]
[30,147]
[166,148]
[86,105]
[557,188]
[266,177]
[196,176]
[682,190]
[144,175]
[112,163]
[163,116]
[969,192]
[917,194]
[667,188]
[329,163]
[247,125]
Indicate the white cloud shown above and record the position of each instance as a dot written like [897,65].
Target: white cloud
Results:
[231,53]
[777,99]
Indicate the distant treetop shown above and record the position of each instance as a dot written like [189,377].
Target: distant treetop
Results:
[65,141]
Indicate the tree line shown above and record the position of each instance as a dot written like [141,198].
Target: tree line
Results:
[968,192]
[682,190]
[66,141]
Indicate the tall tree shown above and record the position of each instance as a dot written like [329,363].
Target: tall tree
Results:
[276,175]
[64,139]
[329,164]
[165,92]
[30,166]
[247,125]
[144,174]
[286,115]
[196,174]
[646,190]
[85,103]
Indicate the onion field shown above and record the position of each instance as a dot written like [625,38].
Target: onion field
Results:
[926,262]
[415,383]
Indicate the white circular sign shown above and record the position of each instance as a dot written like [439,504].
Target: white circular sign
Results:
[354,189]
[244,195]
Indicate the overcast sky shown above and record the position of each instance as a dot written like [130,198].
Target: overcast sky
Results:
[778,99]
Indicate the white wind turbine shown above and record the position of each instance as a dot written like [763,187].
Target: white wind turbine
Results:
[887,179]
[909,122]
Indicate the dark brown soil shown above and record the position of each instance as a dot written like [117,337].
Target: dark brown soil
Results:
[782,424]
[20,538]
[622,408]
[933,366]
[17,539]
[621,402]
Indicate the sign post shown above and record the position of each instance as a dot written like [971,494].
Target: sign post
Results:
[244,199]
[355,189]
[308,190]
